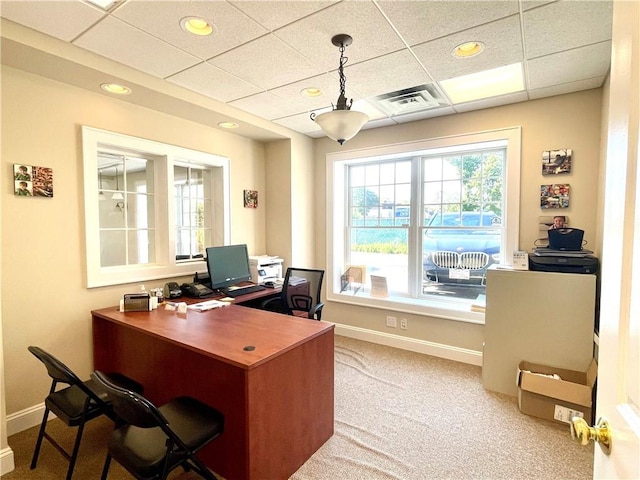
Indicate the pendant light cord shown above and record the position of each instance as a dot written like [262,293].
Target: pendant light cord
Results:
[342,99]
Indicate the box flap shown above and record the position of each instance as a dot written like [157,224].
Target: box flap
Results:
[572,392]
[567,375]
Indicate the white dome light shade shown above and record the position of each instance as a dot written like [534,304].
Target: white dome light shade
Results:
[341,125]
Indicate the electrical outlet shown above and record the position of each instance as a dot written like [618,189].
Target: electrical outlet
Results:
[392,322]
[403,323]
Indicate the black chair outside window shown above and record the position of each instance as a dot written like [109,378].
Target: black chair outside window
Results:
[75,404]
[150,442]
[300,295]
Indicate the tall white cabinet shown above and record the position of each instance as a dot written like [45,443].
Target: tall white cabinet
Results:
[541,317]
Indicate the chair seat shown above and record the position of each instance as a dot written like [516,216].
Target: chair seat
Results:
[142,450]
[68,404]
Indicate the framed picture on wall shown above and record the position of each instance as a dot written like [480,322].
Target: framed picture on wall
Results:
[250,199]
[554,196]
[32,181]
[556,162]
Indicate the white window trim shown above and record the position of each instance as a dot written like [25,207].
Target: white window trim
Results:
[165,265]
[335,219]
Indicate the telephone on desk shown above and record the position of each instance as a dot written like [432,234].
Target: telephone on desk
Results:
[195,290]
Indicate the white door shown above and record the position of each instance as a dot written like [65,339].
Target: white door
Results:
[619,354]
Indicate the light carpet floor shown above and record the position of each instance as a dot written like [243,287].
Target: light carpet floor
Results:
[398,415]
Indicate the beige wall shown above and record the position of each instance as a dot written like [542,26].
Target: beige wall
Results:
[44,298]
[567,121]
[290,201]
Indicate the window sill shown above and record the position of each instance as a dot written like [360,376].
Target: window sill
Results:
[448,310]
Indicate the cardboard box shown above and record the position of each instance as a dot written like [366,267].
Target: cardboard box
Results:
[559,400]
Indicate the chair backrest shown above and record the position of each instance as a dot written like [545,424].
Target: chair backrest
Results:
[57,370]
[302,288]
[445,259]
[474,260]
[131,407]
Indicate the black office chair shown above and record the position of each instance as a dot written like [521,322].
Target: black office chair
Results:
[75,404]
[150,442]
[300,294]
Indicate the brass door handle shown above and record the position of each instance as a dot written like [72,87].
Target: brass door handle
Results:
[582,433]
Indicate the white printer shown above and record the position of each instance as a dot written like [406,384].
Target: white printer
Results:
[265,268]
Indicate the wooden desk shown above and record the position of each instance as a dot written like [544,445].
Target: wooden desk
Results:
[277,400]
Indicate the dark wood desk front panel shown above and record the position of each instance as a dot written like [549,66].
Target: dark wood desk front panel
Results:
[278,400]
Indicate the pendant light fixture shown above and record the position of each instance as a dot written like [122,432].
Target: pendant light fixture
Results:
[117,195]
[342,123]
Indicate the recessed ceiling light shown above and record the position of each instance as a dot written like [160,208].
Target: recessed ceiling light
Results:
[115,88]
[311,92]
[228,125]
[197,26]
[468,49]
[489,83]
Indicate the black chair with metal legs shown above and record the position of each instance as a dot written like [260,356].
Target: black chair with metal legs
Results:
[75,404]
[150,442]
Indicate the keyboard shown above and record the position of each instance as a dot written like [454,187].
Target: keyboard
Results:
[244,290]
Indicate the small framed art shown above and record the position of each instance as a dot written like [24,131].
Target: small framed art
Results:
[250,199]
[555,162]
[554,196]
[30,181]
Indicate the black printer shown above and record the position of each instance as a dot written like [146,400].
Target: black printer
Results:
[563,263]
[564,254]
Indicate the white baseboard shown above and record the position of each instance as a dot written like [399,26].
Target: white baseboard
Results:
[27,418]
[16,423]
[7,463]
[457,354]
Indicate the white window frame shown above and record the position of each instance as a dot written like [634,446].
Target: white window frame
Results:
[165,265]
[336,219]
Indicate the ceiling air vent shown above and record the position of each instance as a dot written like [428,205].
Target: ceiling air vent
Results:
[409,100]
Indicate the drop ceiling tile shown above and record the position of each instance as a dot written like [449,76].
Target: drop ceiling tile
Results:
[565,25]
[379,122]
[434,112]
[420,21]
[266,105]
[571,66]
[368,109]
[402,70]
[502,42]
[529,4]
[516,97]
[266,62]
[213,82]
[329,85]
[588,84]
[60,19]
[162,20]
[301,123]
[372,34]
[114,39]
[275,14]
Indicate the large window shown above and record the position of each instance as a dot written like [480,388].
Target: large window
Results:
[424,221]
[150,209]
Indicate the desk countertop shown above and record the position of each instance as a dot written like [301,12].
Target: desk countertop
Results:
[223,333]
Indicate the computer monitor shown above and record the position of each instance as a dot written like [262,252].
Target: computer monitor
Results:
[228,265]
